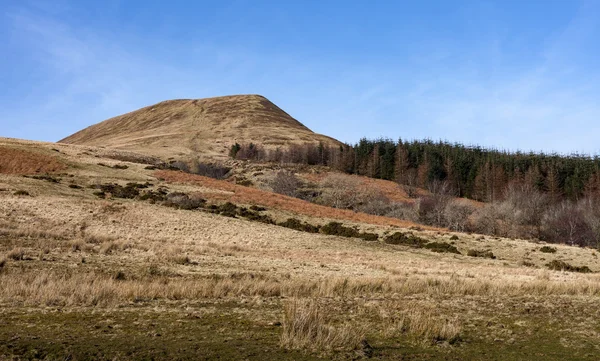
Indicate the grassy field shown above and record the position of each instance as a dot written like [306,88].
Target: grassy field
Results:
[119,279]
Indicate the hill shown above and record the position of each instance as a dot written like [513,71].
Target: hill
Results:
[102,255]
[207,127]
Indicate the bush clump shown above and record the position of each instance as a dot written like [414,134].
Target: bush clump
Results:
[21,193]
[45,177]
[296,224]
[74,186]
[215,171]
[558,265]
[255,216]
[337,229]
[227,209]
[407,239]
[159,195]
[454,238]
[548,249]
[129,191]
[181,200]
[441,247]
[481,254]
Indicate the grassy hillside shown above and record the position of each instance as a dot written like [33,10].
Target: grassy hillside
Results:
[107,257]
[208,127]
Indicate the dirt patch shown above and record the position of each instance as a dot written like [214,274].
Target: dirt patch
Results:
[246,195]
[18,161]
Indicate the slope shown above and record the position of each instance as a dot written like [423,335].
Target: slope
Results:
[205,127]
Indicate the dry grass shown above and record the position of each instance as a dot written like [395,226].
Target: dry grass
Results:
[222,121]
[306,326]
[17,254]
[19,161]
[113,254]
[89,288]
[425,325]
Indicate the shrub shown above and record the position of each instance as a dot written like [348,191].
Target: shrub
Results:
[441,247]
[130,191]
[286,183]
[249,151]
[216,171]
[456,215]
[255,216]
[227,209]
[154,196]
[74,186]
[258,208]
[340,191]
[181,200]
[21,193]
[120,166]
[2,264]
[481,254]
[548,249]
[45,177]
[407,239]
[454,238]
[371,237]
[296,224]
[244,182]
[566,223]
[337,229]
[235,148]
[486,219]
[558,265]
[402,210]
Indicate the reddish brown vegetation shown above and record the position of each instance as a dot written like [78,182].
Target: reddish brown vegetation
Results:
[247,195]
[389,189]
[17,161]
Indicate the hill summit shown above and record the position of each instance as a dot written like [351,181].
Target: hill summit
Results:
[206,127]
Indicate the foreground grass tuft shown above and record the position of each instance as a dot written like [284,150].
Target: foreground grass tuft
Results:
[307,327]
[430,328]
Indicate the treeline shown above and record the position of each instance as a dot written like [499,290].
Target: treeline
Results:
[470,171]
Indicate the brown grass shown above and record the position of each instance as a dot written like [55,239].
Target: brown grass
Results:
[89,289]
[306,326]
[246,195]
[18,161]
[17,254]
[199,126]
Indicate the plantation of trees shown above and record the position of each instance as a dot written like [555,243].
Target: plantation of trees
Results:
[527,195]
[472,172]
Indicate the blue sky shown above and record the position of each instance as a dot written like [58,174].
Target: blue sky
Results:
[505,74]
